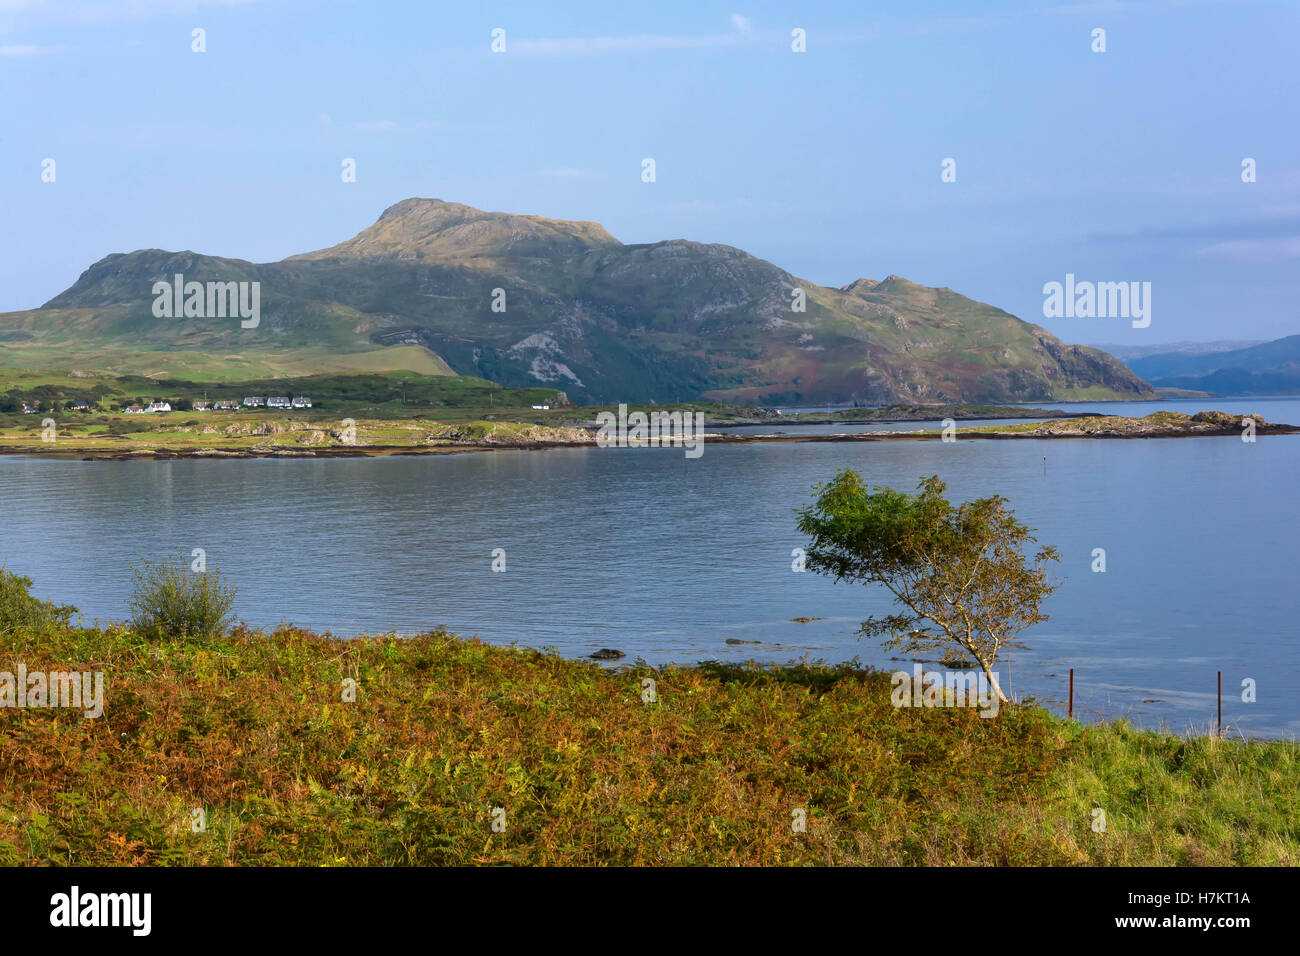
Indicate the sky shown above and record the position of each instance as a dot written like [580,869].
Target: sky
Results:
[1117,166]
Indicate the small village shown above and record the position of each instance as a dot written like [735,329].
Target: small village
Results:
[199,405]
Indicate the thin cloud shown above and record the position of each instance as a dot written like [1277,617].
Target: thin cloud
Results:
[392,126]
[1275,222]
[63,13]
[570,173]
[1089,8]
[742,34]
[1254,251]
[639,43]
[32,49]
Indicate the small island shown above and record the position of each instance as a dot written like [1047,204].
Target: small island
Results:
[216,435]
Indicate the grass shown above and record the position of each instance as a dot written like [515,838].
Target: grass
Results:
[253,728]
[1156,422]
[245,432]
[407,429]
[382,430]
[393,394]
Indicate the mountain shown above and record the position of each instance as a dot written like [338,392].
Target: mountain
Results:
[1126,353]
[440,287]
[1267,368]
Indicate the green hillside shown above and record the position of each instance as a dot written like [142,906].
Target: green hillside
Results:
[577,310]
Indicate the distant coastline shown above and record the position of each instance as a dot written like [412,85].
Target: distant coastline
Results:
[315,440]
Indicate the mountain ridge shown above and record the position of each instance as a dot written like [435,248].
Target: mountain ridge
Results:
[1258,369]
[527,300]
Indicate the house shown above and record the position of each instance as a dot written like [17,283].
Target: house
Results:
[81,405]
[135,409]
[29,409]
[225,405]
[202,406]
[302,401]
[544,408]
[159,407]
[254,401]
[278,402]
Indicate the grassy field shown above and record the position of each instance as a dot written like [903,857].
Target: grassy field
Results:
[397,409]
[253,729]
[396,394]
[206,433]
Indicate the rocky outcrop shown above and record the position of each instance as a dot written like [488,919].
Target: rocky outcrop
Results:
[1155,425]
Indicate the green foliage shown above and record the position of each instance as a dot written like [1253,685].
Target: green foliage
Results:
[254,727]
[958,571]
[128,425]
[171,600]
[19,609]
[392,394]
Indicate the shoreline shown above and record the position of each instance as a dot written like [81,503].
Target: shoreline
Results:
[986,433]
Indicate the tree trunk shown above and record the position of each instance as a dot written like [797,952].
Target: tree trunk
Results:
[993,681]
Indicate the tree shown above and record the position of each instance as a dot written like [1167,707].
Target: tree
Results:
[959,572]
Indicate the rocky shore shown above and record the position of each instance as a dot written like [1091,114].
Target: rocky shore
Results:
[380,439]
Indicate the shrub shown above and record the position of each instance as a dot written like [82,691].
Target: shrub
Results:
[173,600]
[19,609]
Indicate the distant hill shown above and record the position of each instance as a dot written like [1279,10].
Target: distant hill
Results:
[1270,367]
[1126,353]
[604,321]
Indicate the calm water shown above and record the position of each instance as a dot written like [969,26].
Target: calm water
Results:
[665,558]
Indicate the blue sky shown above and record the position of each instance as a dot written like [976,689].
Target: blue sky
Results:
[1115,166]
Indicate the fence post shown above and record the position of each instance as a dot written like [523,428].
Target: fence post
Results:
[1220,704]
[1071,711]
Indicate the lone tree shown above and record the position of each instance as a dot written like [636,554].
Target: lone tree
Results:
[959,571]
